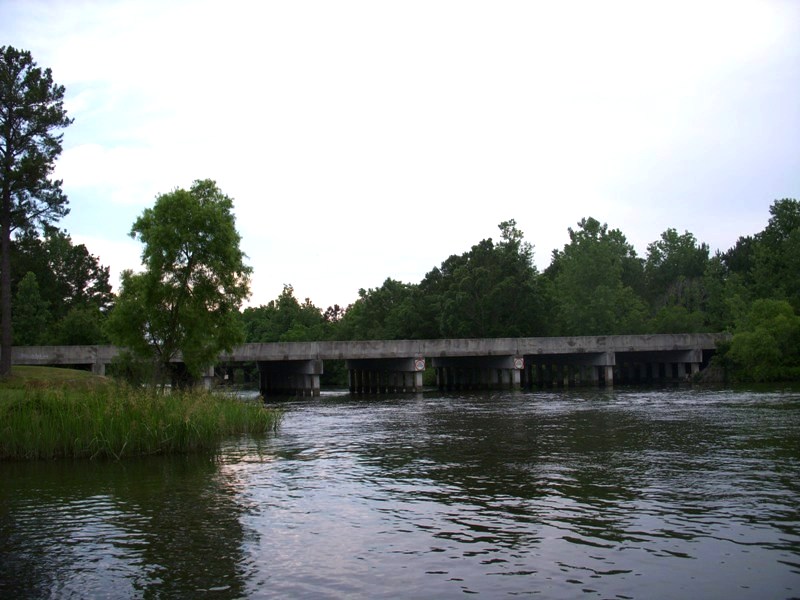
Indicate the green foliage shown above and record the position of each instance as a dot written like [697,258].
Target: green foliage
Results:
[677,319]
[284,320]
[115,422]
[72,284]
[726,295]
[80,326]
[31,317]
[69,276]
[382,313]
[186,303]
[31,111]
[776,261]
[593,280]
[674,271]
[133,370]
[491,291]
[766,343]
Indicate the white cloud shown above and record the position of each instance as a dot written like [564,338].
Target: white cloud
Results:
[365,140]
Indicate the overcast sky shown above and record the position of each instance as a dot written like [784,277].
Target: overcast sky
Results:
[362,140]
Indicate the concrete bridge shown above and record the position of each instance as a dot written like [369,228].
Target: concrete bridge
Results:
[377,366]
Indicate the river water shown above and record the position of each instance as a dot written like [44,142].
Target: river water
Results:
[647,493]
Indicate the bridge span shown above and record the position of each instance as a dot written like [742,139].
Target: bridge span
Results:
[376,366]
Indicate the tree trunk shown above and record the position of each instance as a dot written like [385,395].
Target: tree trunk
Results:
[5,283]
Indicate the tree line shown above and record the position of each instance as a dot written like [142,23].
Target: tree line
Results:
[188,298]
[595,285]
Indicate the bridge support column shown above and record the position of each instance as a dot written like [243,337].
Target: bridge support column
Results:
[655,371]
[290,377]
[385,375]
[608,375]
[675,370]
[564,370]
[208,377]
[478,372]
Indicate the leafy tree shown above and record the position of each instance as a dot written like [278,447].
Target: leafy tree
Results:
[678,319]
[725,294]
[379,314]
[674,265]
[766,343]
[284,320]
[491,291]
[674,274]
[494,290]
[31,111]
[776,263]
[72,283]
[334,314]
[593,279]
[80,326]
[69,276]
[741,258]
[187,300]
[31,317]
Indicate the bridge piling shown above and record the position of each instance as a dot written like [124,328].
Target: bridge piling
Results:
[290,378]
[385,375]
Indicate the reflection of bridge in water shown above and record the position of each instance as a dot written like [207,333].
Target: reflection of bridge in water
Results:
[378,366]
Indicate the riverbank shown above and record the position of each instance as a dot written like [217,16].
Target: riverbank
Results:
[59,413]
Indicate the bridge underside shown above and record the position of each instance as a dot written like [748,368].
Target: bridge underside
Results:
[385,375]
[381,366]
[478,372]
[289,377]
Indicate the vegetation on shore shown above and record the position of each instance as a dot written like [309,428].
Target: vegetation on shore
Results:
[50,413]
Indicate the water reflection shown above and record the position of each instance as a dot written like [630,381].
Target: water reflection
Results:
[146,528]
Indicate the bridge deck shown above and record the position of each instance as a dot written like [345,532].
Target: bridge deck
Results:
[384,349]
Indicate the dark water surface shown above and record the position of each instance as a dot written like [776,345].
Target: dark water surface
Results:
[673,493]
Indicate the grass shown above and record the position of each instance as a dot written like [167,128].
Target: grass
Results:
[50,413]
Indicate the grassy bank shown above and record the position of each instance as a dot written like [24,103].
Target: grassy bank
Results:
[57,413]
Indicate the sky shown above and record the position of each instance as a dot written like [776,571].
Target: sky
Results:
[362,140]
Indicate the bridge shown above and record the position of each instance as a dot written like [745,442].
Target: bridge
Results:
[377,366]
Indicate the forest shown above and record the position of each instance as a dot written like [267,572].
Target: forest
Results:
[595,285]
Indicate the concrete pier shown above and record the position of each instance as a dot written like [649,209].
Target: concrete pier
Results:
[478,372]
[385,375]
[290,377]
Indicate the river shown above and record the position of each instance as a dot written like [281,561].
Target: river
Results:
[625,493]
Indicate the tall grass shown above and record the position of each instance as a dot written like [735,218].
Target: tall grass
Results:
[117,421]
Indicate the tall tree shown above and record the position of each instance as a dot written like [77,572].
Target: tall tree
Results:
[381,313]
[776,261]
[31,317]
[187,300]
[593,281]
[765,344]
[31,113]
[675,284]
[493,290]
[69,276]
[672,263]
[284,320]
